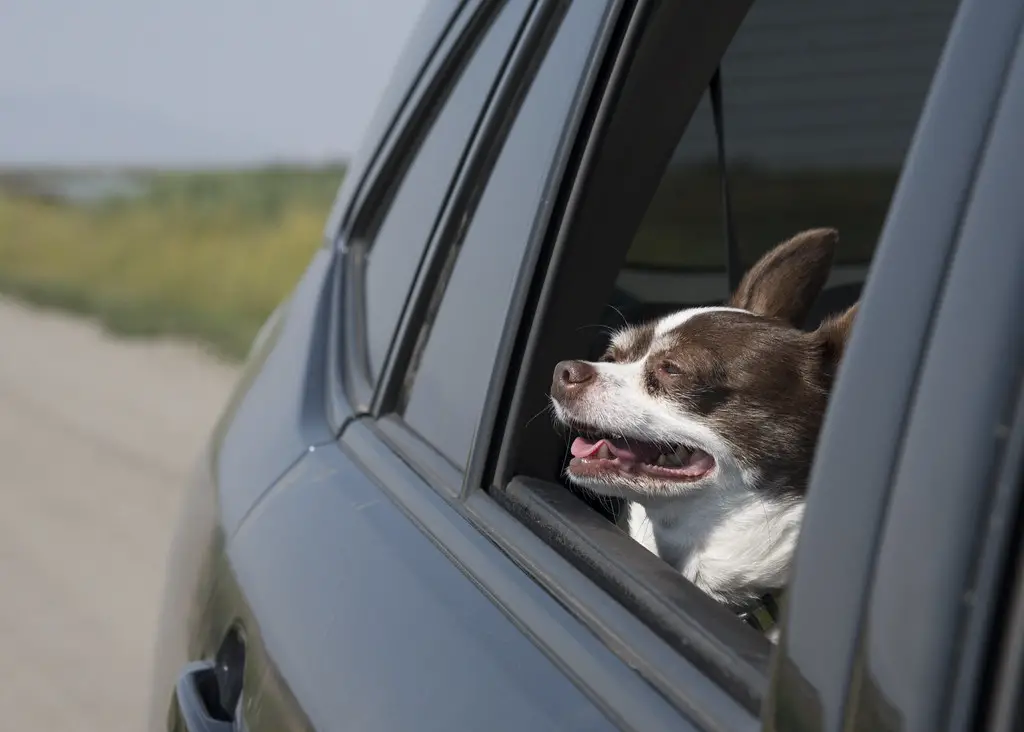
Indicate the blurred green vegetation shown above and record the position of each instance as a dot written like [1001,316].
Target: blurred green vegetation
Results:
[209,255]
[206,255]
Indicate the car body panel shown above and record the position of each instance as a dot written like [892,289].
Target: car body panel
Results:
[333,578]
[275,414]
[190,576]
[514,567]
[278,407]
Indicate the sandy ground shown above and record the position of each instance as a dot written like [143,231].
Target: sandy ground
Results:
[96,437]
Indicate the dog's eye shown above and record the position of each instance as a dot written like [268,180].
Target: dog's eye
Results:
[669,369]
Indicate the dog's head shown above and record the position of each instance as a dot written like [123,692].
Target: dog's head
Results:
[716,397]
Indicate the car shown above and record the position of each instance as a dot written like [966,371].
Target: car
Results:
[379,536]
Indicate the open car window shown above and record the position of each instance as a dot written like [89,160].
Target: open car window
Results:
[818,111]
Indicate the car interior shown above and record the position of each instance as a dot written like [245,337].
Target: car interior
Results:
[812,122]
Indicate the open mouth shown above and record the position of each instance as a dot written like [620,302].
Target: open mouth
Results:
[596,455]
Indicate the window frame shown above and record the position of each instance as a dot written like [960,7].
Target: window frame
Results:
[471,181]
[1005,693]
[390,154]
[1000,699]
[393,108]
[351,383]
[519,73]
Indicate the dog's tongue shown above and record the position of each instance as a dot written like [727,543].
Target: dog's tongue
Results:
[632,451]
[582,448]
[700,462]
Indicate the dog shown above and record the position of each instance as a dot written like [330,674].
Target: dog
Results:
[706,421]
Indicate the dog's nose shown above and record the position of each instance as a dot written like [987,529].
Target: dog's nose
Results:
[570,377]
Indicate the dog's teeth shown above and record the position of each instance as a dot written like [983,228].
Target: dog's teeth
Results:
[668,460]
[604,452]
[682,454]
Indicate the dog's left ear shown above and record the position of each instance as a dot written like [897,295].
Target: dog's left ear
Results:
[832,336]
[785,282]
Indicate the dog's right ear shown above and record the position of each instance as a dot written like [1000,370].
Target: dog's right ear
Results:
[785,282]
[833,335]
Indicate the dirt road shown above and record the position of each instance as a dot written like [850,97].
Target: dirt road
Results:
[96,437]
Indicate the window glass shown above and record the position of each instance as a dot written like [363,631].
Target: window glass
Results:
[820,103]
[401,239]
[450,383]
[425,34]
[416,53]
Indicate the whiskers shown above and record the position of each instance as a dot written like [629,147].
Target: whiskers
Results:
[549,408]
[606,329]
[618,312]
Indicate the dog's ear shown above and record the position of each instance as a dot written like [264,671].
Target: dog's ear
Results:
[785,282]
[832,336]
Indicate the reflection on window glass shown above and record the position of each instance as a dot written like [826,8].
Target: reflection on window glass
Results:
[398,246]
[820,103]
[450,384]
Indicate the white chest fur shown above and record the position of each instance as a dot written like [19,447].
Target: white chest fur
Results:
[734,546]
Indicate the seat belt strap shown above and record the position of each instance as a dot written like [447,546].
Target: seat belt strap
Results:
[734,267]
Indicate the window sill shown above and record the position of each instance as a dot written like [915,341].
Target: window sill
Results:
[723,647]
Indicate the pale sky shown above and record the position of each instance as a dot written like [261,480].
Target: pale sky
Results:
[147,81]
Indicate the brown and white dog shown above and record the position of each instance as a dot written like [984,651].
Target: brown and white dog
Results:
[706,422]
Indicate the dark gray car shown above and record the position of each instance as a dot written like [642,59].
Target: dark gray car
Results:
[378,537]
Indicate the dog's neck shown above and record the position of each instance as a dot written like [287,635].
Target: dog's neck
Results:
[735,544]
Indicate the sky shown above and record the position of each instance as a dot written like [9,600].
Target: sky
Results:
[181,82]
